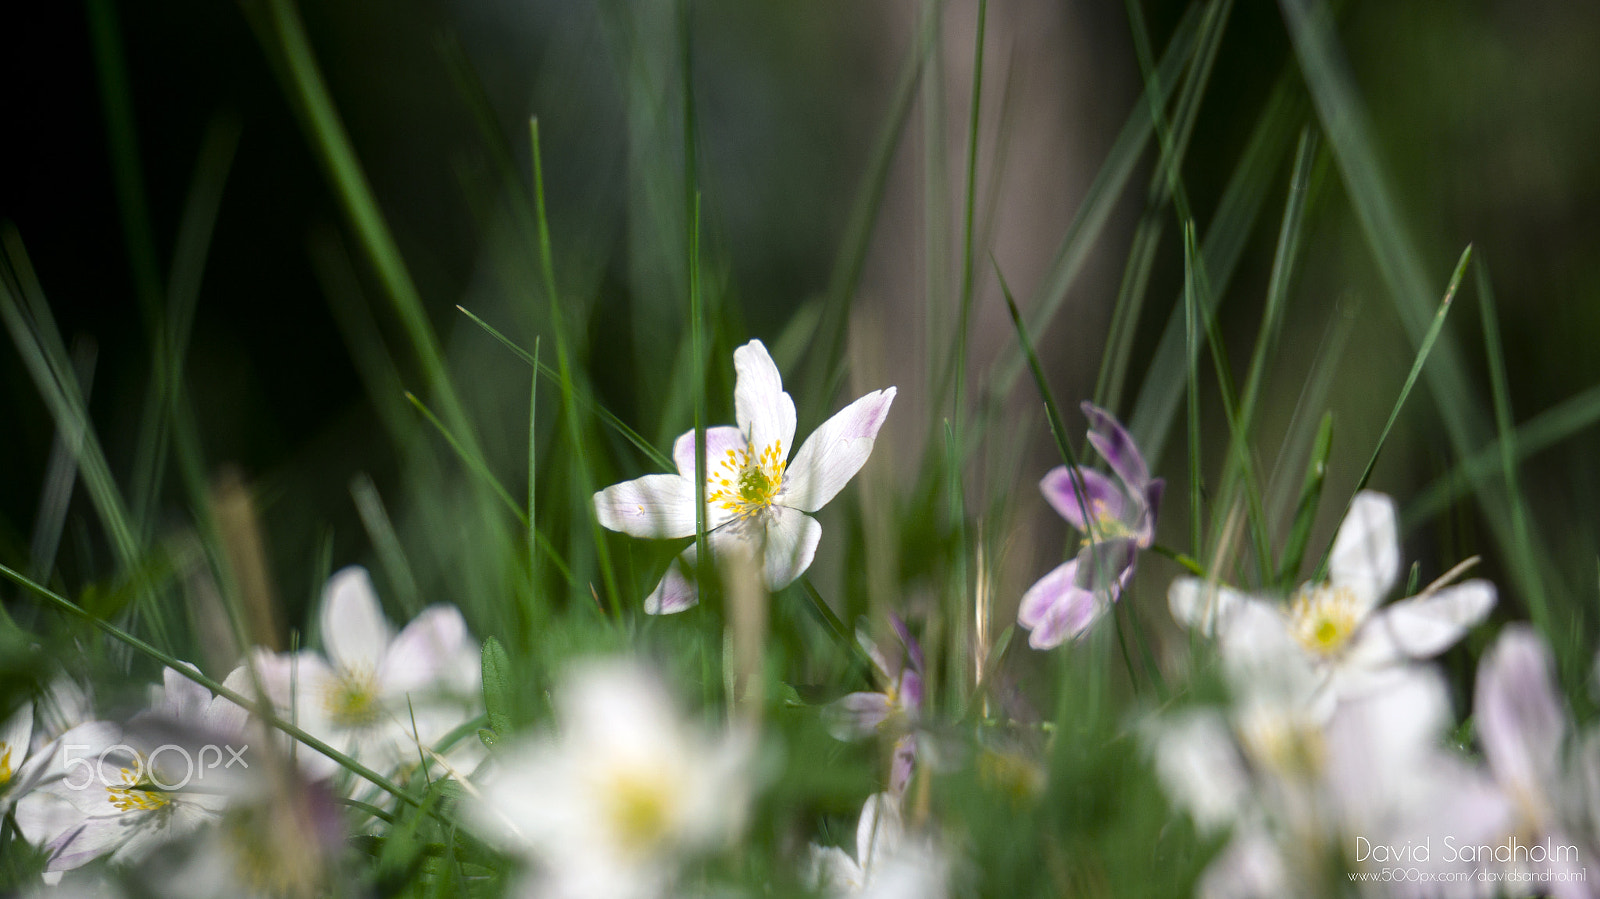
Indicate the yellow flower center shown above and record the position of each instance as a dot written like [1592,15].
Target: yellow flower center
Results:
[352,699]
[5,765]
[1323,618]
[744,483]
[639,806]
[1106,526]
[135,793]
[1281,743]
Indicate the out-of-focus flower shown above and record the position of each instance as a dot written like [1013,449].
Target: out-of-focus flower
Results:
[893,712]
[378,695]
[613,802]
[112,791]
[20,765]
[1297,788]
[1337,624]
[890,862]
[1526,734]
[1118,518]
[754,492]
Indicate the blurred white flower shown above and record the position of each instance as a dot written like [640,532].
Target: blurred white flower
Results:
[20,765]
[610,804]
[890,862]
[754,492]
[378,695]
[121,792]
[1296,786]
[1337,624]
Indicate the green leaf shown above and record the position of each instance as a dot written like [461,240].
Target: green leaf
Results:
[498,698]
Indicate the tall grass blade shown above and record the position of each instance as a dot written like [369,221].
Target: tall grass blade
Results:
[1305,514]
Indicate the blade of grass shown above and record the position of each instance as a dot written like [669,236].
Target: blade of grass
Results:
[969,204]
[1537,597]
[606,415]
[1192,389]
[263,710]
[1423,351]
[1561,421]
[380,530]
[1294,550]
[477,466]
[563,365]
[283,34]
[852,258]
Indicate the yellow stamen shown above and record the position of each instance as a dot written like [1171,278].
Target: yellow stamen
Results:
[639,805]
[5,765]
[746,484]
[352,699]
[135,794]
[1323,618]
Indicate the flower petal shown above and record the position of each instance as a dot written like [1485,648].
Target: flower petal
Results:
[1420,627]
[656,506]
[354,630]
[719,440]
[1200,604]
[1366,551]
[834,452]
[433,652]
[879,831]
[16,731]
[792,539]
[1521,722]
[1102,497]
[764,412]
[1107,436]
[856,715]
[1198,763]
[676,590]
[1042,595]
[1056,608]
[1104,567]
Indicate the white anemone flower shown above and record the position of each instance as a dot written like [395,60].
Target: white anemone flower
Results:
[20,765]
[610,804]
[377,695]
[1338,624]
[113,791]
[754,492]
[890,862]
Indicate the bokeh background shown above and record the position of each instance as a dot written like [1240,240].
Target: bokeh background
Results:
[1485,113]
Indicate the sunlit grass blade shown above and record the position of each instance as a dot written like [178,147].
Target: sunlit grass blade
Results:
[283,33]
[575,429]
[1191,319]
[1522,546]
[1162,392]
[1099,201]
[1423,351]
[391,555]
[1305,513]
[606,415]
[477,466]
[38,341]
[61,474]
[176,319]
[968,205]
[1283,262]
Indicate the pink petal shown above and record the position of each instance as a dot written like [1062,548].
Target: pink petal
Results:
[834,452]
[1101,496]
[718,441]
[1111,440]
[1521,721]
[433,653]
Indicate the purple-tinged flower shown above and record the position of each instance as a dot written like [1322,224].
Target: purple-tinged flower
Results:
[894,711]
[1526,732]
[1118,518]
[754,492]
